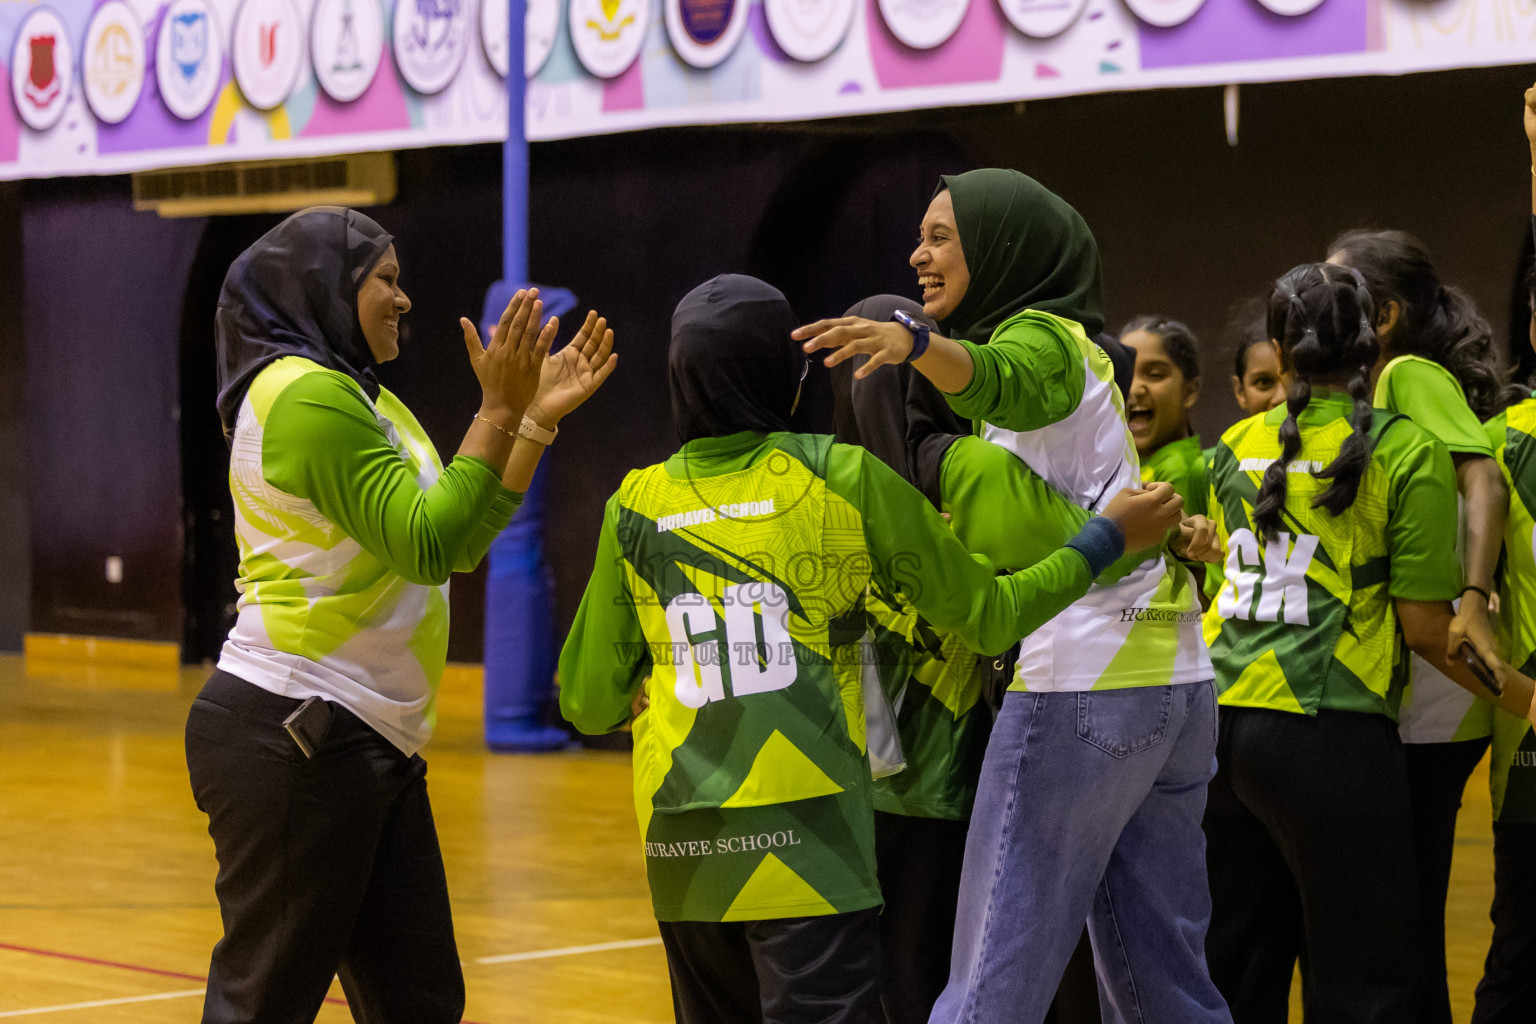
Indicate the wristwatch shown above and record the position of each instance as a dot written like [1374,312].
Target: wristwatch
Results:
[919,333]
[533,432]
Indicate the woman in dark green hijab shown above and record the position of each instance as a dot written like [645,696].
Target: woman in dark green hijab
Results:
[1026,249]
[1078,798]
[995,243]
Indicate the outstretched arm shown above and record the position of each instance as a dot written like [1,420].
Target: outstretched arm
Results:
[960,592]
[947,363]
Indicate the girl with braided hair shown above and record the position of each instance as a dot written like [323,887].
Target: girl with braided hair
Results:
[1441,369]
[1339,523]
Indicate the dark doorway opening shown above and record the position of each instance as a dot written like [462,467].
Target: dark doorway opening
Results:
[211,562]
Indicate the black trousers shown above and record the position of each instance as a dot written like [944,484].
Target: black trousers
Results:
[1507,993]
[797,970]
[919,862]
[1437,778]
[327,866]
[1310,855]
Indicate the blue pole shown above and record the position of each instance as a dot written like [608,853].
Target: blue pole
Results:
[519,593]
[514,154]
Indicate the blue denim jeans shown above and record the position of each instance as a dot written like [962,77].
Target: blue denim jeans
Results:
[1089,807]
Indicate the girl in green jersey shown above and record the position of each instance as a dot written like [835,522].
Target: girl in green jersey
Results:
[1095,771]
[1164,390]
[1339,525]
[1438,367]
[1257,382]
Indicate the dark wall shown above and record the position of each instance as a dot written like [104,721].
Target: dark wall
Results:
[103,290]
[14,571]
[1188,225]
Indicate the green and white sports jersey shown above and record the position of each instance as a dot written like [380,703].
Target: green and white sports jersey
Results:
[733,576]
[1181,463]
[348,527]
[1512,772]
[1306,621]
[1435,709]
[1046,393]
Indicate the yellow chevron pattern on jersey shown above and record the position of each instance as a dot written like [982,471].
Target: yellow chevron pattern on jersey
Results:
[749,591]
[1306,621]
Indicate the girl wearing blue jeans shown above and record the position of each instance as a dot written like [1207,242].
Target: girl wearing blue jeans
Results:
[1093,785]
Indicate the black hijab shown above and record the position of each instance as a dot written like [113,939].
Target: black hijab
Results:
[1026,248]
[294,293]
[732,363]
[895,413]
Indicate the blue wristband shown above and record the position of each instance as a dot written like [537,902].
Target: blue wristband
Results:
[919,332]
[1100,542]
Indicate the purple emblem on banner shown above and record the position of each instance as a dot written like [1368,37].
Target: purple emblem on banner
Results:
[1228,31]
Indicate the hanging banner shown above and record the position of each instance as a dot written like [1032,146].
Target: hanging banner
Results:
[108,86]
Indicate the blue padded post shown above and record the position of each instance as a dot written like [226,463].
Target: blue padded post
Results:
[519,594]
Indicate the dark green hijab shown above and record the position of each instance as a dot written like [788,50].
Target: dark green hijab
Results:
[1026,248]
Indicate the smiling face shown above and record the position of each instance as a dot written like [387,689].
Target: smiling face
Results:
[1262,386]
[380,303]
[939,260]
[1161,396]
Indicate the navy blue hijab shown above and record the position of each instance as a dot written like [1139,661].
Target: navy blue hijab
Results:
[294,293]
[732,364]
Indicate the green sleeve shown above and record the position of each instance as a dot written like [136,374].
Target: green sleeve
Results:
[952,588]
[496,519]
[1497,429]
[1428,394]
[1029,376]
[322,443]
[1422,527]
[989,492]
[605,658]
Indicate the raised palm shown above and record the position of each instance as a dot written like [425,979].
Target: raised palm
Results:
[1530,116]
[572,375]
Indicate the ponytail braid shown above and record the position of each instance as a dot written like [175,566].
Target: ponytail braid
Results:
[1269,505]
[1328,334]
[1354,456]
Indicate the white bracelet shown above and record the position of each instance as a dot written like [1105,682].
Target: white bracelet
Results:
[533,432]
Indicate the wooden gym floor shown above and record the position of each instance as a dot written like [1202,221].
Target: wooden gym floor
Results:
[106,869]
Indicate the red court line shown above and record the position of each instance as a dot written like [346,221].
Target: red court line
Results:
[76,958]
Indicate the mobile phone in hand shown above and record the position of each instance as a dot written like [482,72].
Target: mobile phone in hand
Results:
[308,724]
[1480,669]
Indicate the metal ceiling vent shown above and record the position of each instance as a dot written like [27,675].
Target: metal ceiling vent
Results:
[267,186]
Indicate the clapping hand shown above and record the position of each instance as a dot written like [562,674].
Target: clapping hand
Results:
[509,368]
[573,375]
[1530,117]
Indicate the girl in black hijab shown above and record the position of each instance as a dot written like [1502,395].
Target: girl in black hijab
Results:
[732,578]
[303,745]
